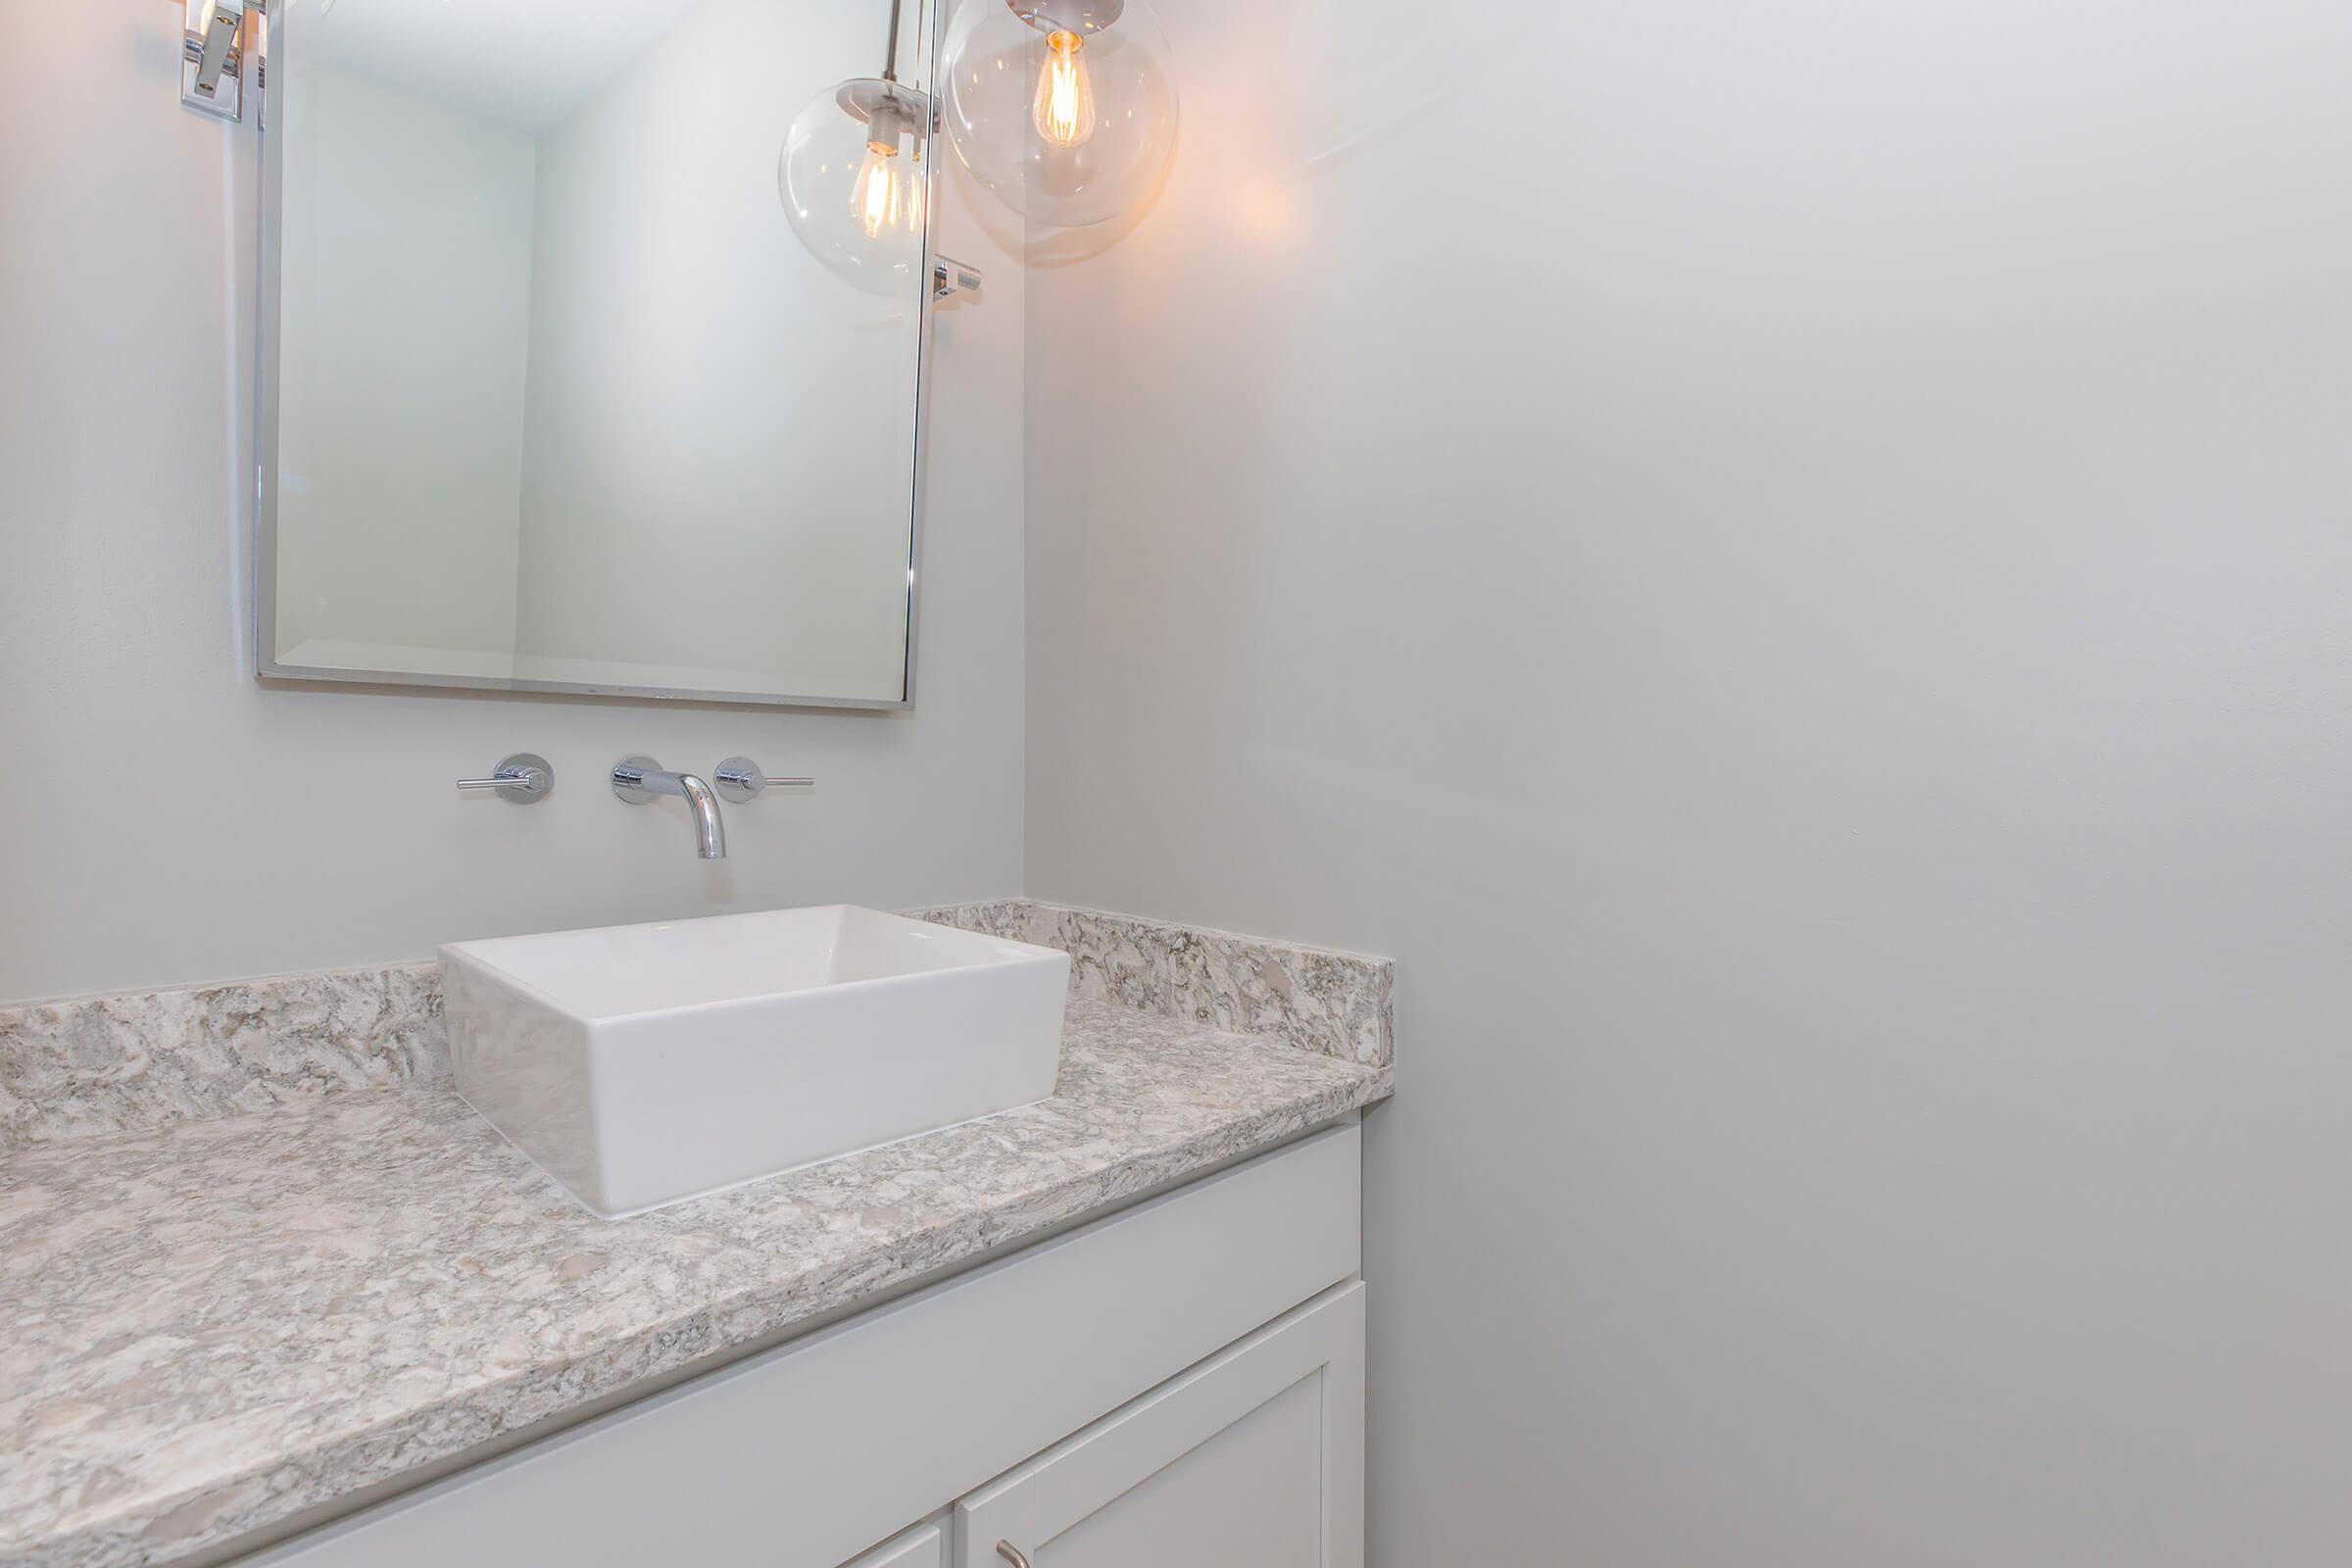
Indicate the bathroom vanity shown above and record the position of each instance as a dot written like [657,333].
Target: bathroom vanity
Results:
[1181,1383]
[275,1293]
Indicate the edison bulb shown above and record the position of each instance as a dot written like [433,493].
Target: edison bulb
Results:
[887,194]
[1064,110]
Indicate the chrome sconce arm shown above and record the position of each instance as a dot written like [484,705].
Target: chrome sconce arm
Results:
[215,53]
[949,277]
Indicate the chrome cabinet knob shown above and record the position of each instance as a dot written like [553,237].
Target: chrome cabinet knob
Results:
[522,778]
[739,778]
[1011,1554]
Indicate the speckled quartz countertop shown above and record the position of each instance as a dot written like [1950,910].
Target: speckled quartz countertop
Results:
[214,1329]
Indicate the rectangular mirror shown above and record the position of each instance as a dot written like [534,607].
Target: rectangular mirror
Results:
[571,380]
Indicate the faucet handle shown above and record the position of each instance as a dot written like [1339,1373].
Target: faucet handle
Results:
[739,778]
[522,778]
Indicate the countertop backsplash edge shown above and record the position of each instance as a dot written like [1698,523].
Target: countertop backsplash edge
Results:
[132,1061]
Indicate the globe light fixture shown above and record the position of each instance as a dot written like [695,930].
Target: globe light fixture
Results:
[1065,109]
[855,178]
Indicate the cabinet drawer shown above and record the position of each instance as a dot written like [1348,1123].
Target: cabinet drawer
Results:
[805,1455]
[1252,1459]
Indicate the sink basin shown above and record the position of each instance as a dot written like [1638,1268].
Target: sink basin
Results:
[641,1064]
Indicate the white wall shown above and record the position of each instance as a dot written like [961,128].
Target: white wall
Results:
[404,312]
[1790,564]
[170,819]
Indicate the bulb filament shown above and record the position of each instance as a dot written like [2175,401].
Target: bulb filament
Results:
[889,192]
[1065,109]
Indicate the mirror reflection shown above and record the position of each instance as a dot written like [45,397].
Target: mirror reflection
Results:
[561,398]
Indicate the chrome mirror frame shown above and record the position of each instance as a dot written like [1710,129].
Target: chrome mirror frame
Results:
[266,69]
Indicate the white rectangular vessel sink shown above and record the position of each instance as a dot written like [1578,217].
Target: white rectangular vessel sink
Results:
[641,1064]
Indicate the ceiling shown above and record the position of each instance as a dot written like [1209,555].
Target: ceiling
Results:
[526,63]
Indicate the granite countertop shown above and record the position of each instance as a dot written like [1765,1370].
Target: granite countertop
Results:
[212,1329]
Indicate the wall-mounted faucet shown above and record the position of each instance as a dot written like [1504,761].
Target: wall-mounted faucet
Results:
[638,779]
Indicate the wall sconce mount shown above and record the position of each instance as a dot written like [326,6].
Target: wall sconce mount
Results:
[212,69]
[950,277]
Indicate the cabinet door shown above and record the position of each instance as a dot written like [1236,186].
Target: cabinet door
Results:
[923,1546]
[1252,1459]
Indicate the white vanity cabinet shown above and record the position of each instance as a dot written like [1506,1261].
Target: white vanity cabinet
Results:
[1251,1459]
[1179,1382]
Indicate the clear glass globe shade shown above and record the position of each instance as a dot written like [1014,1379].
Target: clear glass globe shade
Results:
[1070,121]
[855,189]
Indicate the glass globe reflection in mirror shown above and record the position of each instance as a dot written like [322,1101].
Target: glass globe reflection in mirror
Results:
[856,181]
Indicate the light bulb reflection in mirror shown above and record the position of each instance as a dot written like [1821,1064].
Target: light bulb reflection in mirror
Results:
[888,193]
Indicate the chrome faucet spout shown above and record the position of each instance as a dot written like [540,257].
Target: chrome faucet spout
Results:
[637,779]
[710,830]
